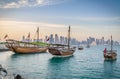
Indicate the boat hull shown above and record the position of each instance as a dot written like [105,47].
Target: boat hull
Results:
[63,52]
[110,56]
[26,50]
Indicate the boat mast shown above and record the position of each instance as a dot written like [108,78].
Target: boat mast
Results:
[37,34]
[69,37]
[28,37]
[111,43]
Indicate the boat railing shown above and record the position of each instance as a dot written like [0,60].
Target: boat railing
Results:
[16,43]
[111,51]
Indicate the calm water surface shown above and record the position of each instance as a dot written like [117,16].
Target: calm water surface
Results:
[84,64]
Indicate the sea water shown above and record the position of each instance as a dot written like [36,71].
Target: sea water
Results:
[84,64]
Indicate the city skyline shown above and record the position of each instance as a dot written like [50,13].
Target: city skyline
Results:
[95,18]
[56,39]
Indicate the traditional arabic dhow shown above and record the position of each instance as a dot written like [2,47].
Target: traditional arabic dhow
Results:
[110,54]
[25,47]
[62,50]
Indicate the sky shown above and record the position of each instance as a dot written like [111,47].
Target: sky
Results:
[95,18]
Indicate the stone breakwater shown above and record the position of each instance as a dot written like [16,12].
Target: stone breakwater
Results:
[4,74]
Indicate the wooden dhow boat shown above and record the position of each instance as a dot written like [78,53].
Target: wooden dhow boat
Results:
[62,50]
[25,47]
[110,54]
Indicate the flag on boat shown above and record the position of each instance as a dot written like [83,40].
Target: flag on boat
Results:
[29,35]
[5,36]
[48,39]
[105,50]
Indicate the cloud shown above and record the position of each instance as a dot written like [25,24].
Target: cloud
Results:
[100,19]
[78,31]
[42,24]
[23,27]
[90,18]
[11,5]
[28,3]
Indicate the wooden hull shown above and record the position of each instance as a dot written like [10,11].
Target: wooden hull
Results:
[62,52]
[110,56]
[26,50]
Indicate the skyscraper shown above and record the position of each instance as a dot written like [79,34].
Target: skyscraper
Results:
[51,40]
[102,40]
[23,38]
[56,39]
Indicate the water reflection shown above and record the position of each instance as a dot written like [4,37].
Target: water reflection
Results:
[109,69]
[54,60]
[21,55]
[59,67]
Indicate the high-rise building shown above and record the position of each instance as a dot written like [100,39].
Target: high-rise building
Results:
[46,39]
[51,40]
[116,43]
[102,40]
[65,40]
[91,39]
[56,39]
[108,42]
[61,39]
[23,38]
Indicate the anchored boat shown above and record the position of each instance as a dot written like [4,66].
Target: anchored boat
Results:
[80,48]
[110,54]
[25,47]
[62,50]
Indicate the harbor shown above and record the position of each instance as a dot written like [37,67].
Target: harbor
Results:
[86,64]
[55,59]
[59,39]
